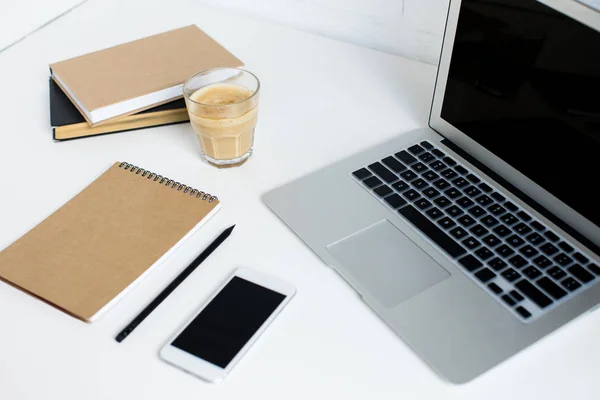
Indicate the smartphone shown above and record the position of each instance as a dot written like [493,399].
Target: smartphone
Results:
[211,343]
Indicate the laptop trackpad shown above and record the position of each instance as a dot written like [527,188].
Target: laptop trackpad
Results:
[387,263]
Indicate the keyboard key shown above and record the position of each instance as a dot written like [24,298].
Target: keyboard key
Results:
[497,264]
[532,272]
[426,145]
[408,175]
[581,258]
[471,243]
[563,259]
[542,262]
[492,240]
[438,153]
[449,161]
[521,228]
[362,173]
[509,219]
[477,211]
[460,182]
[537,226]
[383,172]
[556,273]
[441,184]
[551,236]
[473,178]
[426,157]
[383,190]
[453,193]
[517,296]
[437,165]
[372,182]
[449,173]
[594,268]
[517,261]
[523,312]
[465,202]
[495,288]
[419,167]
[533,293]
[581,273]
[498,197]
[393,164]
[509,300]
[470,263]
[446,223]
[549,249]
[411,195]
[433,232]
[405,157]
[434,213]
[514,241]
[485,187]
[484,200]
[484,253]
[496,209]
[461,170]
[570,284]
[535,238]
[416,149]
[485,275]
[400,186]
[511,275]
[489,221]
[524,216]
[395,201]
[430,175]
[511,206]
[454,211]
[442,201]
[551,288]
[472,191]
[567,248]
[478,230]
[422,203]
[465,220]
[502,230]
[430,192]
[419,183]
[458,232]
[528,251]
[504,251]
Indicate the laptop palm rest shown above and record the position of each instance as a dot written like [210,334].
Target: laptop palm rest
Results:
[387,263]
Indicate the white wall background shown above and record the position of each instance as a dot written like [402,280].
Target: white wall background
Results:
[411,28]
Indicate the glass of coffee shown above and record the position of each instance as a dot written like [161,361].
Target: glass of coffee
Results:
[223,108]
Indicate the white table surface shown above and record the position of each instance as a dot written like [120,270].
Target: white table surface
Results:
[321,100]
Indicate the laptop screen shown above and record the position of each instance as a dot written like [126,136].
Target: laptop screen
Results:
[524,82]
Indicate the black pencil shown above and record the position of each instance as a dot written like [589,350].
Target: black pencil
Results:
[173,285]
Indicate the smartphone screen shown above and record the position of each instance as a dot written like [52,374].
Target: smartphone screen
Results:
[228,322]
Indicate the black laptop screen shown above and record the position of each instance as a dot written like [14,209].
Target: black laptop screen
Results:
[524,82]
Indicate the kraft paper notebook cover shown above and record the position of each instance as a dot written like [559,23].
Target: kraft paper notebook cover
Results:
[68,124]
[88,253]
[138,75]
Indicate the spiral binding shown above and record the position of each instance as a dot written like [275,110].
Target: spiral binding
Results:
[168,182]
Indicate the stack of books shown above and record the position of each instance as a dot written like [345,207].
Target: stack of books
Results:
[131,86]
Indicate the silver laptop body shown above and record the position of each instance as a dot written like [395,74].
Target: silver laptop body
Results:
[442,299]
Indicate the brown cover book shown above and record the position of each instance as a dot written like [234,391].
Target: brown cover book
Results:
[155,66]
[85,256]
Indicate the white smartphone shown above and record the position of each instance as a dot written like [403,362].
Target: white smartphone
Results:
[224,328]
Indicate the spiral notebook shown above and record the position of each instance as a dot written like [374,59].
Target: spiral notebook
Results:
[85,256]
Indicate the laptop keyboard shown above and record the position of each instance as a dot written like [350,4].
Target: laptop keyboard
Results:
[523,264]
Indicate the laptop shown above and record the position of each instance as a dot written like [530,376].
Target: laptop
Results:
[479,235]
